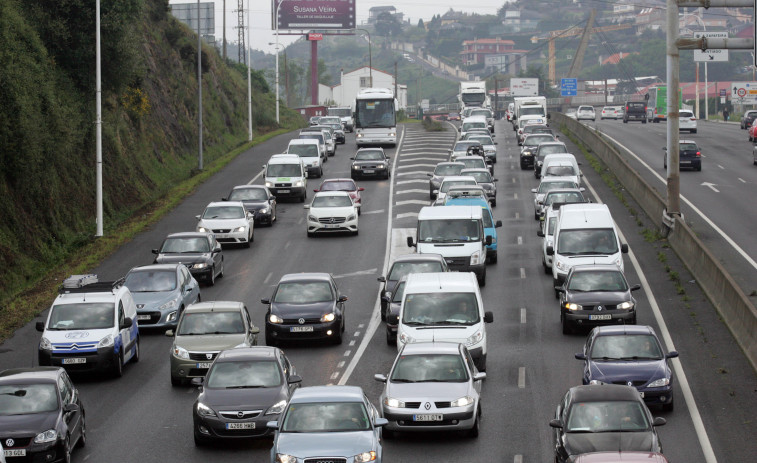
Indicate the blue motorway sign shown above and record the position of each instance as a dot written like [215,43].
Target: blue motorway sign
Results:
[568,87]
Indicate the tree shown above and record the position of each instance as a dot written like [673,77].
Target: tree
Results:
[420,24]
[387,25]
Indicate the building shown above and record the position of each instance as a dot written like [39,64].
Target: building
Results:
[375,11]
[520,21]
[475,51]
[344,93]
[508,63]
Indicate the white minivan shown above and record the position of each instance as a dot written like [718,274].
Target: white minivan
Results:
[585,234]
[444,307]
[560,159]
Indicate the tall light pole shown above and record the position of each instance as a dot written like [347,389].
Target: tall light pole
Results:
[98,127]
[199,86]
[370,56]
[276,16]
[249,77]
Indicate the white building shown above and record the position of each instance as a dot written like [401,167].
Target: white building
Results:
[345,92]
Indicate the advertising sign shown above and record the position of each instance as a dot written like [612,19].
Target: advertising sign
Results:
[711,55]
[315,36]
[314,14]
[524,86]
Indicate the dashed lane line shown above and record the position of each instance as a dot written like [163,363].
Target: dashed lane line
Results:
[412,190]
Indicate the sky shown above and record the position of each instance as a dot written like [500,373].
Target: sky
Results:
[260,13]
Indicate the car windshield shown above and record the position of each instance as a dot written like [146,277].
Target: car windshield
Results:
[559,171]
[201,323]
[369,156]
[331,201]
[251,194]
[244,374]
[223,212]
[326,417]
[545,187]
[464,192]
[304,292]
[563,197]
[400,269]
[463,146]
[482,140]
[429,368]
[447,185]
[626,347]
[618,416]
[536,140]
[473,163]
[481,177]
[304,151]
[448,230]
[473,125]
[24,399]
[398,292]
[598,281]
[448,169]
[480,112]
[440,309]
[82,316]
[341,112]
[587,242]
[186,245]
[552,149]
[685,114]
[150,281]
[283,170]
[341,185]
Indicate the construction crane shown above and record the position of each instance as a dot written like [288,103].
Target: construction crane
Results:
[585,32]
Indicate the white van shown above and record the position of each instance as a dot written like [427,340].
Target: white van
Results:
[585,234]
[554,159]
[457,233]
[91,326]
[473,122]
[286,176]
[316,135]
[444,307]
[310,152]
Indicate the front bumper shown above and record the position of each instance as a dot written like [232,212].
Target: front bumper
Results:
[526,160]
[101,360]
[317,227]
[262,218]
[313,171]
[369,171]
[154,318]
[216,427]
[201,274]
[584,317]
[288,191]
[26,450]
[283,331]
[405,419]
[231,237]
[188,368]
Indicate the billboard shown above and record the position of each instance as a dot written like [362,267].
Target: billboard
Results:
[524,86]
[314,14]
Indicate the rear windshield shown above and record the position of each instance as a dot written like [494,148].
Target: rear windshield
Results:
[635,104]
[401,269]
[448,169]
[304,151]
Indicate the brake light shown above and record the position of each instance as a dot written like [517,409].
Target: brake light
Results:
[699,154]
[693,118]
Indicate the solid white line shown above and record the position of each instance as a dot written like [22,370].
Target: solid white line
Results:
[521,377]
[721,167]
[256,177]
[742,180]
[375,320]
[691,205]
[522,315]
[515,196]
[415,172]
[696,418]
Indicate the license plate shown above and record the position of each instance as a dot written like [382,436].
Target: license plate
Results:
[437,417]
[300,329]
[600,317]
[685,162]
[15,453]
[73,361]
[368,171]
[240,425]
[143,317]
[204,365]
[331,225]
[284,191]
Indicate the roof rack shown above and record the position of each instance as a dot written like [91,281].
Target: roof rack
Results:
[88,284]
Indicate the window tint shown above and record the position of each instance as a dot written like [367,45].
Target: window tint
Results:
[643,346]
[199,244]
[597,281]
[256,194]
[148,281]
[244,374]
[223,212]
[201,323]
[304,292]
[401,269]
[82,316]
[24,399]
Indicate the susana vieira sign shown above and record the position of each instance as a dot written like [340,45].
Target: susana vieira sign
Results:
[315,14]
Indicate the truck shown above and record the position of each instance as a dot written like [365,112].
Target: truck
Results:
[473,93]
[345,115]
[657,105]
[528,110]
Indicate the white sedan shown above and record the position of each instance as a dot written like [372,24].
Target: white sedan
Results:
[229,221]
[331,211]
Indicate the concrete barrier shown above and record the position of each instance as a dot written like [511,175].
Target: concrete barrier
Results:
[733,305]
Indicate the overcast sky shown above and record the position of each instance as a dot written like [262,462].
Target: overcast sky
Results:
[260,13]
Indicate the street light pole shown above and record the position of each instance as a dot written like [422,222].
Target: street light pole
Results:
[98,128]
[370,55]
[278,5]
[199,86]
[249,77]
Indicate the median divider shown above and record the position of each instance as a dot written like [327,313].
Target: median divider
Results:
[733,305]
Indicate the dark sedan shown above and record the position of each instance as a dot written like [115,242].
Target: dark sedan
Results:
[392,312]
[405,265]
[530,146]
[603,418]
[305,306]
[243,390]
[256,199]
[689,155]
[596,295]
[630,355]
[200,252]
[41,416]
[370,162]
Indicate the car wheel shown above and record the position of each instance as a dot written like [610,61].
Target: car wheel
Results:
[200,441]
[338,337]
[493,258]
[67,450]
[699,168]
[82,433]
[118,366]
[391,340]
[473,432]
[353,177]
[135,357]
[303,197]
[547,269]
[482,279]
[481,364]
[220,274]
[358,210]
[247,243]
[668,407]
[212,280]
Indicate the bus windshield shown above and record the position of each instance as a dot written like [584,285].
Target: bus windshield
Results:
[376,113]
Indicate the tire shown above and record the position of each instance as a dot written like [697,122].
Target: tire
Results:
[118,366]
[303,197]
[699,168]
[135,357]
[566,329]
[320,172]
[493,258]
[390,339]
[200,441]
[220,274]
[494,203]
[473,432]
[482,279]
[82,442]
[625,121]
[547,270]
[387,434]
[431,196]
[247,243]
[481,365]
[358,211]
[338,338]
[536,215]
[212,276]
[668,407]
[176,382]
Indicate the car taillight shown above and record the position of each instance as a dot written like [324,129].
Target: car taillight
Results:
[693,118]
[699,154]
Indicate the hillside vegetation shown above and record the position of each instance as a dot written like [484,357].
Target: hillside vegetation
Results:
[47,130]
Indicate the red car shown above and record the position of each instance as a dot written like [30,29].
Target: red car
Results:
[752,131]
[343,184]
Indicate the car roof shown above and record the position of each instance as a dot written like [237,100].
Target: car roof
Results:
[558,178]
[338,179]
[448,163]
[613,330]
[419,258]
[249,187]
[450,212]
[604,392]
[331,193]
[328,394]
[226,203]
[189,235]
[248,353]
[621,457]
[145,268]
[416,348]
[441,282]
[596,267]
[215,306]
[457,178]
[34,374]
[559,163]
[473,170]
[312,276]
[551,143]
[303,141]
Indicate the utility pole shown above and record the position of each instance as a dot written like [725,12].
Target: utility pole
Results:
[224,30]
[286,79]
[249,77]
[98,127]
[395,80]
[199,88]
[496,96]
[240,35]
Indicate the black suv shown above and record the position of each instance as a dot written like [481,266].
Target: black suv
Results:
[635,111]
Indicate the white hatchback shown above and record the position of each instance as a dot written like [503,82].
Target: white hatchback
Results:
[229,221]
[332,211]
[585,113]
[687,121]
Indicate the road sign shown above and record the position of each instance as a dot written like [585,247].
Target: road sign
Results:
[568,87]
[713,54]
[744,92]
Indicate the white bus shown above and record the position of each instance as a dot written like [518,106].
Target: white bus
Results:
[375,117]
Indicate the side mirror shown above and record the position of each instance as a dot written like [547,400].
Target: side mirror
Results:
[361,189]
[265,301]
[664,148]
[224,199]
[534,190]
[380,378]
[495,180]
[254,330]
[342,299]
[540,233]
[479,376]
[410,242]
[294,379]
[306,206]
[580,356]
[169,333]
[624,248]
[197,217]
[40,326]
[429,175]
[352,159]
[68,408]
[488,240]
[197,381]
[550,251]
[385,299]
[671,355]
[272,425]
[380,422]
[498,224]
[488,317]
[659,421]
[636,287]
[128,322]
[555,424]
[155,251]
[381,279]
[559,289]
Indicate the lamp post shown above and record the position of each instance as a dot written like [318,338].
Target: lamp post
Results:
[249,77]
[276,15]
[370,55]
[98,128]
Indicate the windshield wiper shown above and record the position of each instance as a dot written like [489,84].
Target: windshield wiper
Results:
[637,357]
[403,380]
[606,358]
[414,323]
[581,431]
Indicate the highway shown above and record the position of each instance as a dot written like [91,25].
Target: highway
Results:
[142,418]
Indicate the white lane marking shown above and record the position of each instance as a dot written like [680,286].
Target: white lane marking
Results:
[405,182]
[267,278]
[412,201]
[521,377]
[357,334]
[517,215]
[522,315]
[380,211]
[335,375]
[518,459]
[520,240]
[406,214]
[413,190]
[420,173]
[287,244]
[515,196]
[742,180]
[300,220]
[513,179]
[436,159]
[256,177]
[721,167]
[512,166]
[340,364]
[347,353]
[413,166]
[696,418]
[352,343]
[711,186]
[369,271]
[375,318]
[522,272]
[361,326]
[728,239]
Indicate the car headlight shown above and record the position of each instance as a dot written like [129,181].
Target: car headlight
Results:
[284,458]
[51,435]
[351,217]
[462,402]
[172,316]
[299,183]
[45,344]
[329,317]
[312,218]
[625,305]
[561,265]
[204,410]
[359,135]
[365,456]
[394,403]
[268,184]
[475,258]
[199,265]
[392,134]
[240,229]
[170,304]
[659,383]
[203,230]
[276,408]
[180,352]
[474,339]
[406,339]
[572,306]
[275,319]
[107,341]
